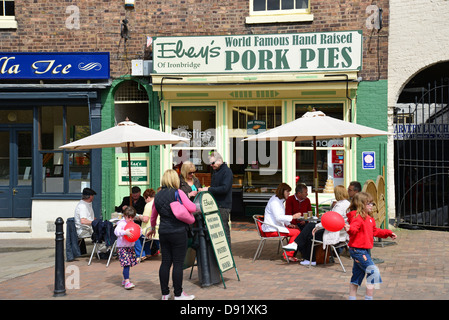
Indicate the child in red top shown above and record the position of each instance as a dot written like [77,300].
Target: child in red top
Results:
[362,230]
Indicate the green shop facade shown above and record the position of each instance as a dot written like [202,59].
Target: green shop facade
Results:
[217,90]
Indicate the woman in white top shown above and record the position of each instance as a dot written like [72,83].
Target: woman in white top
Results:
[276,218]
[341,207]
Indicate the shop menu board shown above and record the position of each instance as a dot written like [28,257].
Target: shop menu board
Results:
[216,231]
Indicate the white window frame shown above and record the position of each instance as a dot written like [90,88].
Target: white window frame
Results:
[7,22]
[277,16]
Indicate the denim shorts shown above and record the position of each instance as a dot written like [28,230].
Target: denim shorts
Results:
[363,265]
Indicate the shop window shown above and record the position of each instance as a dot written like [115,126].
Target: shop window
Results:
[330,153]
[131,101]
[198,124]
[7,15]
[257,165]
[63,171]
[271,11]
[263,117]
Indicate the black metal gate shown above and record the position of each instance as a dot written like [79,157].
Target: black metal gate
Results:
[422,159]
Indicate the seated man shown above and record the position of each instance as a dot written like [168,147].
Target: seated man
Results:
[298,203]
[138,203]
[84,214]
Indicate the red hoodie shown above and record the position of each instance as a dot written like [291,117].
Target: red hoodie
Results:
[362,232]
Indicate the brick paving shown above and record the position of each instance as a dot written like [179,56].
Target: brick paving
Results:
[415,267]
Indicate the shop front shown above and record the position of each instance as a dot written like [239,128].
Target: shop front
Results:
[47,100]
[218,90]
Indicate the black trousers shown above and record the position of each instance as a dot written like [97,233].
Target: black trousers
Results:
[173,250]
[304,240]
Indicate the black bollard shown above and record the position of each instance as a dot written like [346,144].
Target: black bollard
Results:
[59,259]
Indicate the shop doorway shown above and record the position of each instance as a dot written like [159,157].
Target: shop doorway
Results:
[15,171]
[421,123]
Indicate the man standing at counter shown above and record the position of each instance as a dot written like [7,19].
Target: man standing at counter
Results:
[221,189]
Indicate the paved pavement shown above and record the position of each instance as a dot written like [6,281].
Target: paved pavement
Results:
[415,267]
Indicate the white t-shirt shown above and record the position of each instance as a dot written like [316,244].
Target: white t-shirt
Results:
[83,210]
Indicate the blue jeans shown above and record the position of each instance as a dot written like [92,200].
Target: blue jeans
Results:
[147,250]
[363,265]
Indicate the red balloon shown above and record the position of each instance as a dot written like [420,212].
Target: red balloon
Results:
[332,221]
[135,230]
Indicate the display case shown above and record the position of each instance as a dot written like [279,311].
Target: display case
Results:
[259,185]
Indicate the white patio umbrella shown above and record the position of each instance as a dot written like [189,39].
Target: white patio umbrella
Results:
[316,125]
[126,134]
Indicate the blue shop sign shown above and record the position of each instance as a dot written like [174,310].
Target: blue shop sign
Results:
[54,65]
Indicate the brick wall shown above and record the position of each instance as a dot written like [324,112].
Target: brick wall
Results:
[45,25]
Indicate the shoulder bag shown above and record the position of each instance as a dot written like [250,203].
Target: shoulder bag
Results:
[180,212]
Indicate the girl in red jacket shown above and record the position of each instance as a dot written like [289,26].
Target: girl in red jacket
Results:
[362,230]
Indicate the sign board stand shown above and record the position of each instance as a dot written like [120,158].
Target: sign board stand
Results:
[214,225]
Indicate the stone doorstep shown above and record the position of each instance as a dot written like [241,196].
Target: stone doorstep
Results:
[15,229]
[15,225]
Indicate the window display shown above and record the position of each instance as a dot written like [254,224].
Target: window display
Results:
[197,124]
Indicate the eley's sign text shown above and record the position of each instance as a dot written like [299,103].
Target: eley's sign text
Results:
[299,52]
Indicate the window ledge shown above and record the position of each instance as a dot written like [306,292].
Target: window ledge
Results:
[280,18]
[8,23]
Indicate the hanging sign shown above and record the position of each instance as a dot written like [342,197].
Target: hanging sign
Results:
[296,52]
[54,65]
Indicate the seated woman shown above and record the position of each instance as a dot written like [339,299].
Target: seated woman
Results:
[188,182]
[275,215]
[341,207]
[148,195]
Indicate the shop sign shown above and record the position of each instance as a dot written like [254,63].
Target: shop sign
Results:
[216,231]
[65,65]
[421,131]
[298,52]
[139,171]
[256,126]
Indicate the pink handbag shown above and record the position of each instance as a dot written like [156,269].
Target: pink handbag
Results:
[180,212]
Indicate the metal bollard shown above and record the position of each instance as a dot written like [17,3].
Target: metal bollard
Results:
[59,290]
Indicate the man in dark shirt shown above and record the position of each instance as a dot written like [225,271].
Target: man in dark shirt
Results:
[221,189]
[138,202]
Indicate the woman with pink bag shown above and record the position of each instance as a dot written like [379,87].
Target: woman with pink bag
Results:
[172,234]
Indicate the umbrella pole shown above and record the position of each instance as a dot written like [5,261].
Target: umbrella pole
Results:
[129,175]
[315,178]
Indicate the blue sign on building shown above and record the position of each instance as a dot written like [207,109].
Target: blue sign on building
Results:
[368,160]
[54,65]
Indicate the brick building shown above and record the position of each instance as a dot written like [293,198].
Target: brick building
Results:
[277,62]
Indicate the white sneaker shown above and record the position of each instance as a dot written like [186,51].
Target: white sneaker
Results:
[166,297]
[291,247]
[185,296]
[307,262]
